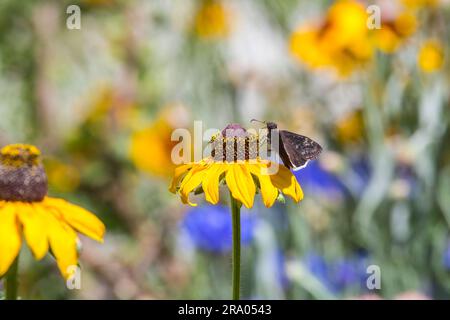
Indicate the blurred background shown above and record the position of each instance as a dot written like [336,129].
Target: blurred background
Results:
[101,103]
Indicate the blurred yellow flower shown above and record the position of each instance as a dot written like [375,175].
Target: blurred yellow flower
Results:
[62,177]
[431,56]
[346,22]
[340,42]
[101,102]
[420,3]
[350,128]
[394,32]
[212,20]
[243,176]
[25,209]
[405,24]
[386,40]
[109,113]
[108,103]
[306,46]
[344,42]
[151,147]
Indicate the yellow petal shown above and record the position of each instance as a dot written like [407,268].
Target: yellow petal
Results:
[269,192]
[34,228]
[241,184]
[79,218]
[178,175]
[211,182]
[287,183]
[63,242]
[192,180]
[10,240]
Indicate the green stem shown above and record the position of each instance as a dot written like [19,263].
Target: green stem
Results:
[11,282]
[236,262]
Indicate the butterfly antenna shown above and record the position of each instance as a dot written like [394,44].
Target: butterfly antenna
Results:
[254,120]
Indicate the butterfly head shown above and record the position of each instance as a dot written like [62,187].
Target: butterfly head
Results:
[271,125]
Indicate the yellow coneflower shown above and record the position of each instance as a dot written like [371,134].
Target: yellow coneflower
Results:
[243,176]
[235,161]
[240,179]
[26,210]
[431,56]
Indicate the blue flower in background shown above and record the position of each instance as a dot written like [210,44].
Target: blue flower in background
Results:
[317,265]
[209,228]
[345,274]
[315,179]
[362,167]
[338,275]
[360,174]
[446,257]
[281,269]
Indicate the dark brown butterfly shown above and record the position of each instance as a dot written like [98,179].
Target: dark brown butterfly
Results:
[295,150]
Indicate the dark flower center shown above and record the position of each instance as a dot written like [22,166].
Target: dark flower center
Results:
[235,143]
[22,175]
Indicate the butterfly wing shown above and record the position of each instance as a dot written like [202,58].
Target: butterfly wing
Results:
[296,150]
[287,161]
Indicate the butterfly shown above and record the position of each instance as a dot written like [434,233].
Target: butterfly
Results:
[295,150]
